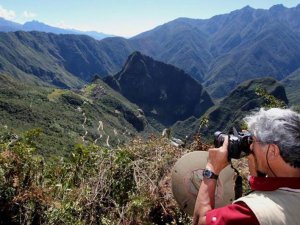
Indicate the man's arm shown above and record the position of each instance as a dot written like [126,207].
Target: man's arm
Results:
[217,161]
[205,201]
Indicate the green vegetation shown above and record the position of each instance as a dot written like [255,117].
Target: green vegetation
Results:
[65,61]
[93,185]
[291,84]
[66,117]
[270,100]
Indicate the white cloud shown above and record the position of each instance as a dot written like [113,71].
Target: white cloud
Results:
[7,14]
[28,15]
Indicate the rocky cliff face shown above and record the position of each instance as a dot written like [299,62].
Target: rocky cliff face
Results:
[164,92]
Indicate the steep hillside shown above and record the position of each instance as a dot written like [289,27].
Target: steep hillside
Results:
[95,114]
[63,60]
[265,55]
[230,111]
[180,43]
[164,92]
[292,84]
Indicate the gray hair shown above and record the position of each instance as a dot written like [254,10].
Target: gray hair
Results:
[280,127]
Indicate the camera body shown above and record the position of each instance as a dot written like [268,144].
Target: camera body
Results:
[238,143]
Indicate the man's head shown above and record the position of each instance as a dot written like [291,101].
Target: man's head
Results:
[277,127]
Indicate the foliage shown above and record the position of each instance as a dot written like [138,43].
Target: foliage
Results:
[93,185]
[270,100]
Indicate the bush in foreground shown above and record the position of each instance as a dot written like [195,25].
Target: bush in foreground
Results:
[94,185]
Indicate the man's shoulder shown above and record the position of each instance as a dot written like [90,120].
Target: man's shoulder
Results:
[237,213]
[272,206]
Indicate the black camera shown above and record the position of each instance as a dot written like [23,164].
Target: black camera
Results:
[238,143]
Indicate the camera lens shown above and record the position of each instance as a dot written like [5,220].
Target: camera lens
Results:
[238,143]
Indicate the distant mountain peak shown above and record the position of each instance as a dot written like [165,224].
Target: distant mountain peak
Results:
[136,55]
[34,21]
[277,7]
[276,10]
[136,64]
[247,7]
[37,25]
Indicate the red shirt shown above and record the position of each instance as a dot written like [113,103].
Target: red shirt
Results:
[239,213]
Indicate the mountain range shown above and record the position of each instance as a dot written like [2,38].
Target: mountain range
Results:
[228,49]
[9,26]
[220,52]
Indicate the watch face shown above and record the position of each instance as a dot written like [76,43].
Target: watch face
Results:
[207,174]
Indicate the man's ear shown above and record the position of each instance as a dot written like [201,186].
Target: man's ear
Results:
[274,150]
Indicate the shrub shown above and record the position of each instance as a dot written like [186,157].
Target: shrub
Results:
[93,185]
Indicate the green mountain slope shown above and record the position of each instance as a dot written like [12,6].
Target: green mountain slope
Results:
[66,61]
[94,114]
[292,84]
[230,111]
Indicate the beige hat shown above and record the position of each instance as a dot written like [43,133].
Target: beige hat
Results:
[187,177]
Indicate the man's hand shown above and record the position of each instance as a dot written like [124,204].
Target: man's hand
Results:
[218,158]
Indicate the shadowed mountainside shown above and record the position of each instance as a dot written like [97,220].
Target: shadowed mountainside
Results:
[164,92]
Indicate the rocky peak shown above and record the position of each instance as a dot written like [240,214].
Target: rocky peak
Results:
[164,92]
[277,8]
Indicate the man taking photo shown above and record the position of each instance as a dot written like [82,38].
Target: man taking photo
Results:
[275,156]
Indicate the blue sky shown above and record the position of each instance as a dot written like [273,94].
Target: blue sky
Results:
[122,17]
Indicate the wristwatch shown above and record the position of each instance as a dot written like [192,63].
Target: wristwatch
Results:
[209,174]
